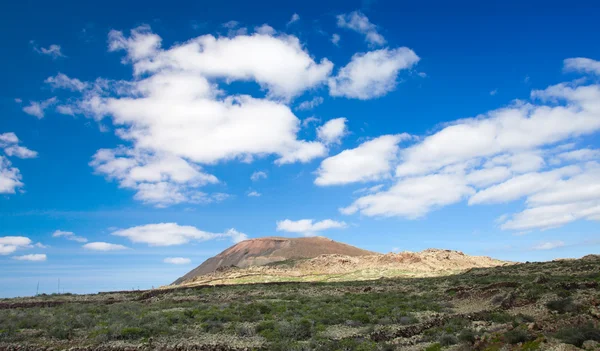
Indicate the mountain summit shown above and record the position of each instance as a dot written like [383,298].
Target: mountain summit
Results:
[262,251]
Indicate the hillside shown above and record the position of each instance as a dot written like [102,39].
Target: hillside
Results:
[529,306]
[319,259]
[262,251]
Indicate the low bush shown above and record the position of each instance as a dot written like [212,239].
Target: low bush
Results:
[517,335]
[564,305]
[577,335]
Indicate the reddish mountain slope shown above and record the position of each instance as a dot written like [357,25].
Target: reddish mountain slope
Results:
[262,251]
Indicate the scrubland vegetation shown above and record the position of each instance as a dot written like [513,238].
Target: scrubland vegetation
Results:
[533,306]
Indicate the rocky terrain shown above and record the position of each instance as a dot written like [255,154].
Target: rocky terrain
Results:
[527,306]
[320,259]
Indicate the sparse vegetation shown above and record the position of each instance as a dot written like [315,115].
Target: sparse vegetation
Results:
[483,312]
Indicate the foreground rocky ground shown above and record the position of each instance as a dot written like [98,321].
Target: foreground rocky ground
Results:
[531,306]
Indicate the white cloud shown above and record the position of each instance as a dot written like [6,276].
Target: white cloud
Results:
[168,234]
[369,190]
[582,64]
[308,227]
[549,245]
[258,175]
[62,81]
[265,29]
[10,177]
[231,24]
[412,197]
[159,179]
[522,185]
[206,126]
[332,131]
[335,39]
[370,161]
[53,50]
[372,74]
[69,236]
[31,257]
[358,22]
[235,236]
[494,92]
[295,18]
[579,155]
[38,108]
[9,143]
[278,63]
[310,104]
[102,246]
[501,156]
[177,260]
[10,244]
[307,121]
[254,193]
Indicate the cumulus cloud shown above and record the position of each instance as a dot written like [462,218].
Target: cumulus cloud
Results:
[206,126]
[9,142]
[258,175]
[310,104]
[358,22]
[10,176]
[278,63]
[332,131]
[176,118]
[159,179]
[582,64]
[38,108]
[254,193]
[10,244]
[102,246]
[177,260]
[169,234]
[31,258]
[370,161]
[372,74]
[550,245]
[308,227]
[523,151]
[69,236]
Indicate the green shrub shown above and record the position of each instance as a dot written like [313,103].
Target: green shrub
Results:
[517,335]
[447,339]
[532,345]
[212,326]
[467,335]
[434,347]
[563,305]
[133,333]
[577,335]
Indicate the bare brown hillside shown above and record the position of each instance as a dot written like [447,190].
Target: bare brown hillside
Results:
[320,259]
[262,251]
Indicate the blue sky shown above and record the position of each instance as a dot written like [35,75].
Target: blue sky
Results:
[138,139]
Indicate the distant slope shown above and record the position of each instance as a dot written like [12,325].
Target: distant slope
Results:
[335,268]
[262,251]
